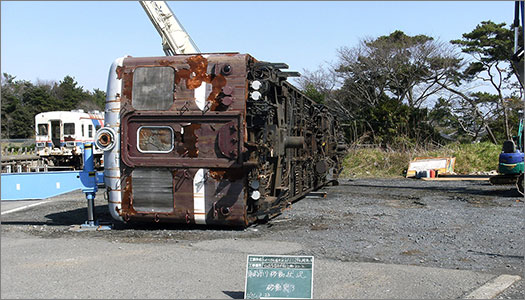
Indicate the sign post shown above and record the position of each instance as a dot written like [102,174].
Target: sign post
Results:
[279,276]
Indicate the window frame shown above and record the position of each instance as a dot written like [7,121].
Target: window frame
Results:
[69,124]
[156,127]
[38,129]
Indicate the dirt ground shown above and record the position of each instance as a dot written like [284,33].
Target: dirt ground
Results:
[464,225]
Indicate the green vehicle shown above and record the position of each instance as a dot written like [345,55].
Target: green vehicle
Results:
[511,162]
[511,158]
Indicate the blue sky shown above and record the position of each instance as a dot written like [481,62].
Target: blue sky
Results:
[48,40]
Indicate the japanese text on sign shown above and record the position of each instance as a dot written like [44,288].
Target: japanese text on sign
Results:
[279,277]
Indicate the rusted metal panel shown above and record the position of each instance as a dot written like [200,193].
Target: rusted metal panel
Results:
[223,140]
[152,190]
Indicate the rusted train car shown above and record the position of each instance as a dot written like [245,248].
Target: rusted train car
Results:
[217,139]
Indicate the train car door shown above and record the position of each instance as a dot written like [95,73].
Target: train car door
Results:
[55,133]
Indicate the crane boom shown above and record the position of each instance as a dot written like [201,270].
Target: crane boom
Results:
[175,39]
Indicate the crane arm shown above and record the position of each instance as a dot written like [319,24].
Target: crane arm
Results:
[175,39]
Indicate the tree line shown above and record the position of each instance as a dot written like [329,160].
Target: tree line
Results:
[401,91]
[397,91]
[23,100]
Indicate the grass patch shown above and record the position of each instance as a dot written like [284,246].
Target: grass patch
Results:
[375,162]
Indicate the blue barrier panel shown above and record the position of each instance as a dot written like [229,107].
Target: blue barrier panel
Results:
[24,186]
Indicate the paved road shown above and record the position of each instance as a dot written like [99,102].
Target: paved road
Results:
[9,207]
[370,239]
[92,268]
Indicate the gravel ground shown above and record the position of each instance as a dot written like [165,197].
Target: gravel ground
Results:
[466,225]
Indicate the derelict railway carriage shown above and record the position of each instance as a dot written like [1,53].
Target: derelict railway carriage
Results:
[212,139]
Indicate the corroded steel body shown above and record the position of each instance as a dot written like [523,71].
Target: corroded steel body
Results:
[212,139]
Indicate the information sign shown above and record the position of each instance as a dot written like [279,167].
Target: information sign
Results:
[279,276]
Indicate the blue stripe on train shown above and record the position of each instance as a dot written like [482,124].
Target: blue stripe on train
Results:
[76,144]
[96,123]
[63,144]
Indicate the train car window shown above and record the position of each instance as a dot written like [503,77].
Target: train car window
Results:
[43,129]
[155,139]
[90,130]
[69,128]
[153,88]
[82,129]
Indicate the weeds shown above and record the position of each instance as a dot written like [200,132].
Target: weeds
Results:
[376,162]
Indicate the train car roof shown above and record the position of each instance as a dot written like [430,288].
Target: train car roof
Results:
[62,114]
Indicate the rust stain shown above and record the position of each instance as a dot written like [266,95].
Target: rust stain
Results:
[217,175]
[229,174]
[119,72]
[182,74]
[127,84]
[198,66]
[217,84]
[127,200]
[187,145]
[196,75]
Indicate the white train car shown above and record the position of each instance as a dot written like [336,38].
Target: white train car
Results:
[60,136]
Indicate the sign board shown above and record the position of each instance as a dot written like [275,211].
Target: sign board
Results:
[279,276]
[444,165]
